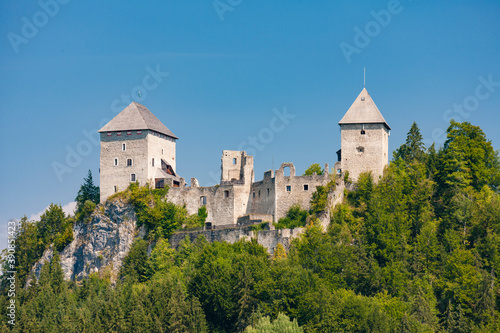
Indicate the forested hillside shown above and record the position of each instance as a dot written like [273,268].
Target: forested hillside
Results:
[417,251]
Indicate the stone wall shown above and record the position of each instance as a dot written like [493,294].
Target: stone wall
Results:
[141,147]
[262,197]
[267,238]
[219,201]
[364,152]
[112,175]
[292,190]
[159,148]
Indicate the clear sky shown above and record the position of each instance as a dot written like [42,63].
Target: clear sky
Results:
[222,71]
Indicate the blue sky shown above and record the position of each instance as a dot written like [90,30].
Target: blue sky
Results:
[231,64]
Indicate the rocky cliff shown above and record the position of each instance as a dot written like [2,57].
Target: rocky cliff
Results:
[98,245]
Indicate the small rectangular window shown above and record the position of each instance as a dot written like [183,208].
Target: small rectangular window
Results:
[363,132]
[116,161]
[226,194]
[132,177]
[116,188]
[254,194]
[129,162]
[267,192]
[203,201]
[288,188]
[162,151]
[234,161]
[306,187]
[123,147]
[153,162]
[259,193]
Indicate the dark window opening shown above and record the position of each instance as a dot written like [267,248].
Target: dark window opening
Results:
[152,162]
[259,193]
[167,168]
[363,132]
[203,201]
[253,194]
[360,149]
[132,177]
[339,155]
[176,184]
[226,194]
[306,187]
[288,188]
[123,147]
[267,192]
[159,183]
[116,189]
[129,162]
[116,161]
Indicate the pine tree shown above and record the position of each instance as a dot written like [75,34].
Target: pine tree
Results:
[88,191]
[413,149]
[56,273]
[178,311]
[88,197]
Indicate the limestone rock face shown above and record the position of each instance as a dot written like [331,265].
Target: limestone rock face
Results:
[99,244]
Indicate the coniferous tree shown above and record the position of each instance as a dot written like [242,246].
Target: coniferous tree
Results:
[413,148]
[88,191]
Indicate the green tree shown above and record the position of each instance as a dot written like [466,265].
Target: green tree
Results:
[54,226]
[88,191]
[413,148]
[281,324]
[314,168]
[295,217]
[135,263]
[467,159]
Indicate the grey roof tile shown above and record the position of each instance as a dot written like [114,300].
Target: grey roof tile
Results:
[136,117]
[363,111]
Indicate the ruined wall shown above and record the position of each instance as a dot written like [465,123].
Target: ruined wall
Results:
[119,175]
[262,198]
[291,190]
[364,152]
[236,167]
[267,238]
[232,165]
[219,201]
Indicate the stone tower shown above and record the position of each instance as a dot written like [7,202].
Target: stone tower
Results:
[136,146]
[236,167]
[364,138]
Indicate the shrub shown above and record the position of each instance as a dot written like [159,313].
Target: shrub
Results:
[296,217]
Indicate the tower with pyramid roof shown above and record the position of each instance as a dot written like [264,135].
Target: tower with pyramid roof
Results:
[136,146]
[364,138]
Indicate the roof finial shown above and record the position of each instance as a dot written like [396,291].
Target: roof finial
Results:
[364,77]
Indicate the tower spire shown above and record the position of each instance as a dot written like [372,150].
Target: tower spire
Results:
[364,77]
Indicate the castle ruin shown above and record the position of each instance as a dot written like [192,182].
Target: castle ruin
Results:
[137,146]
